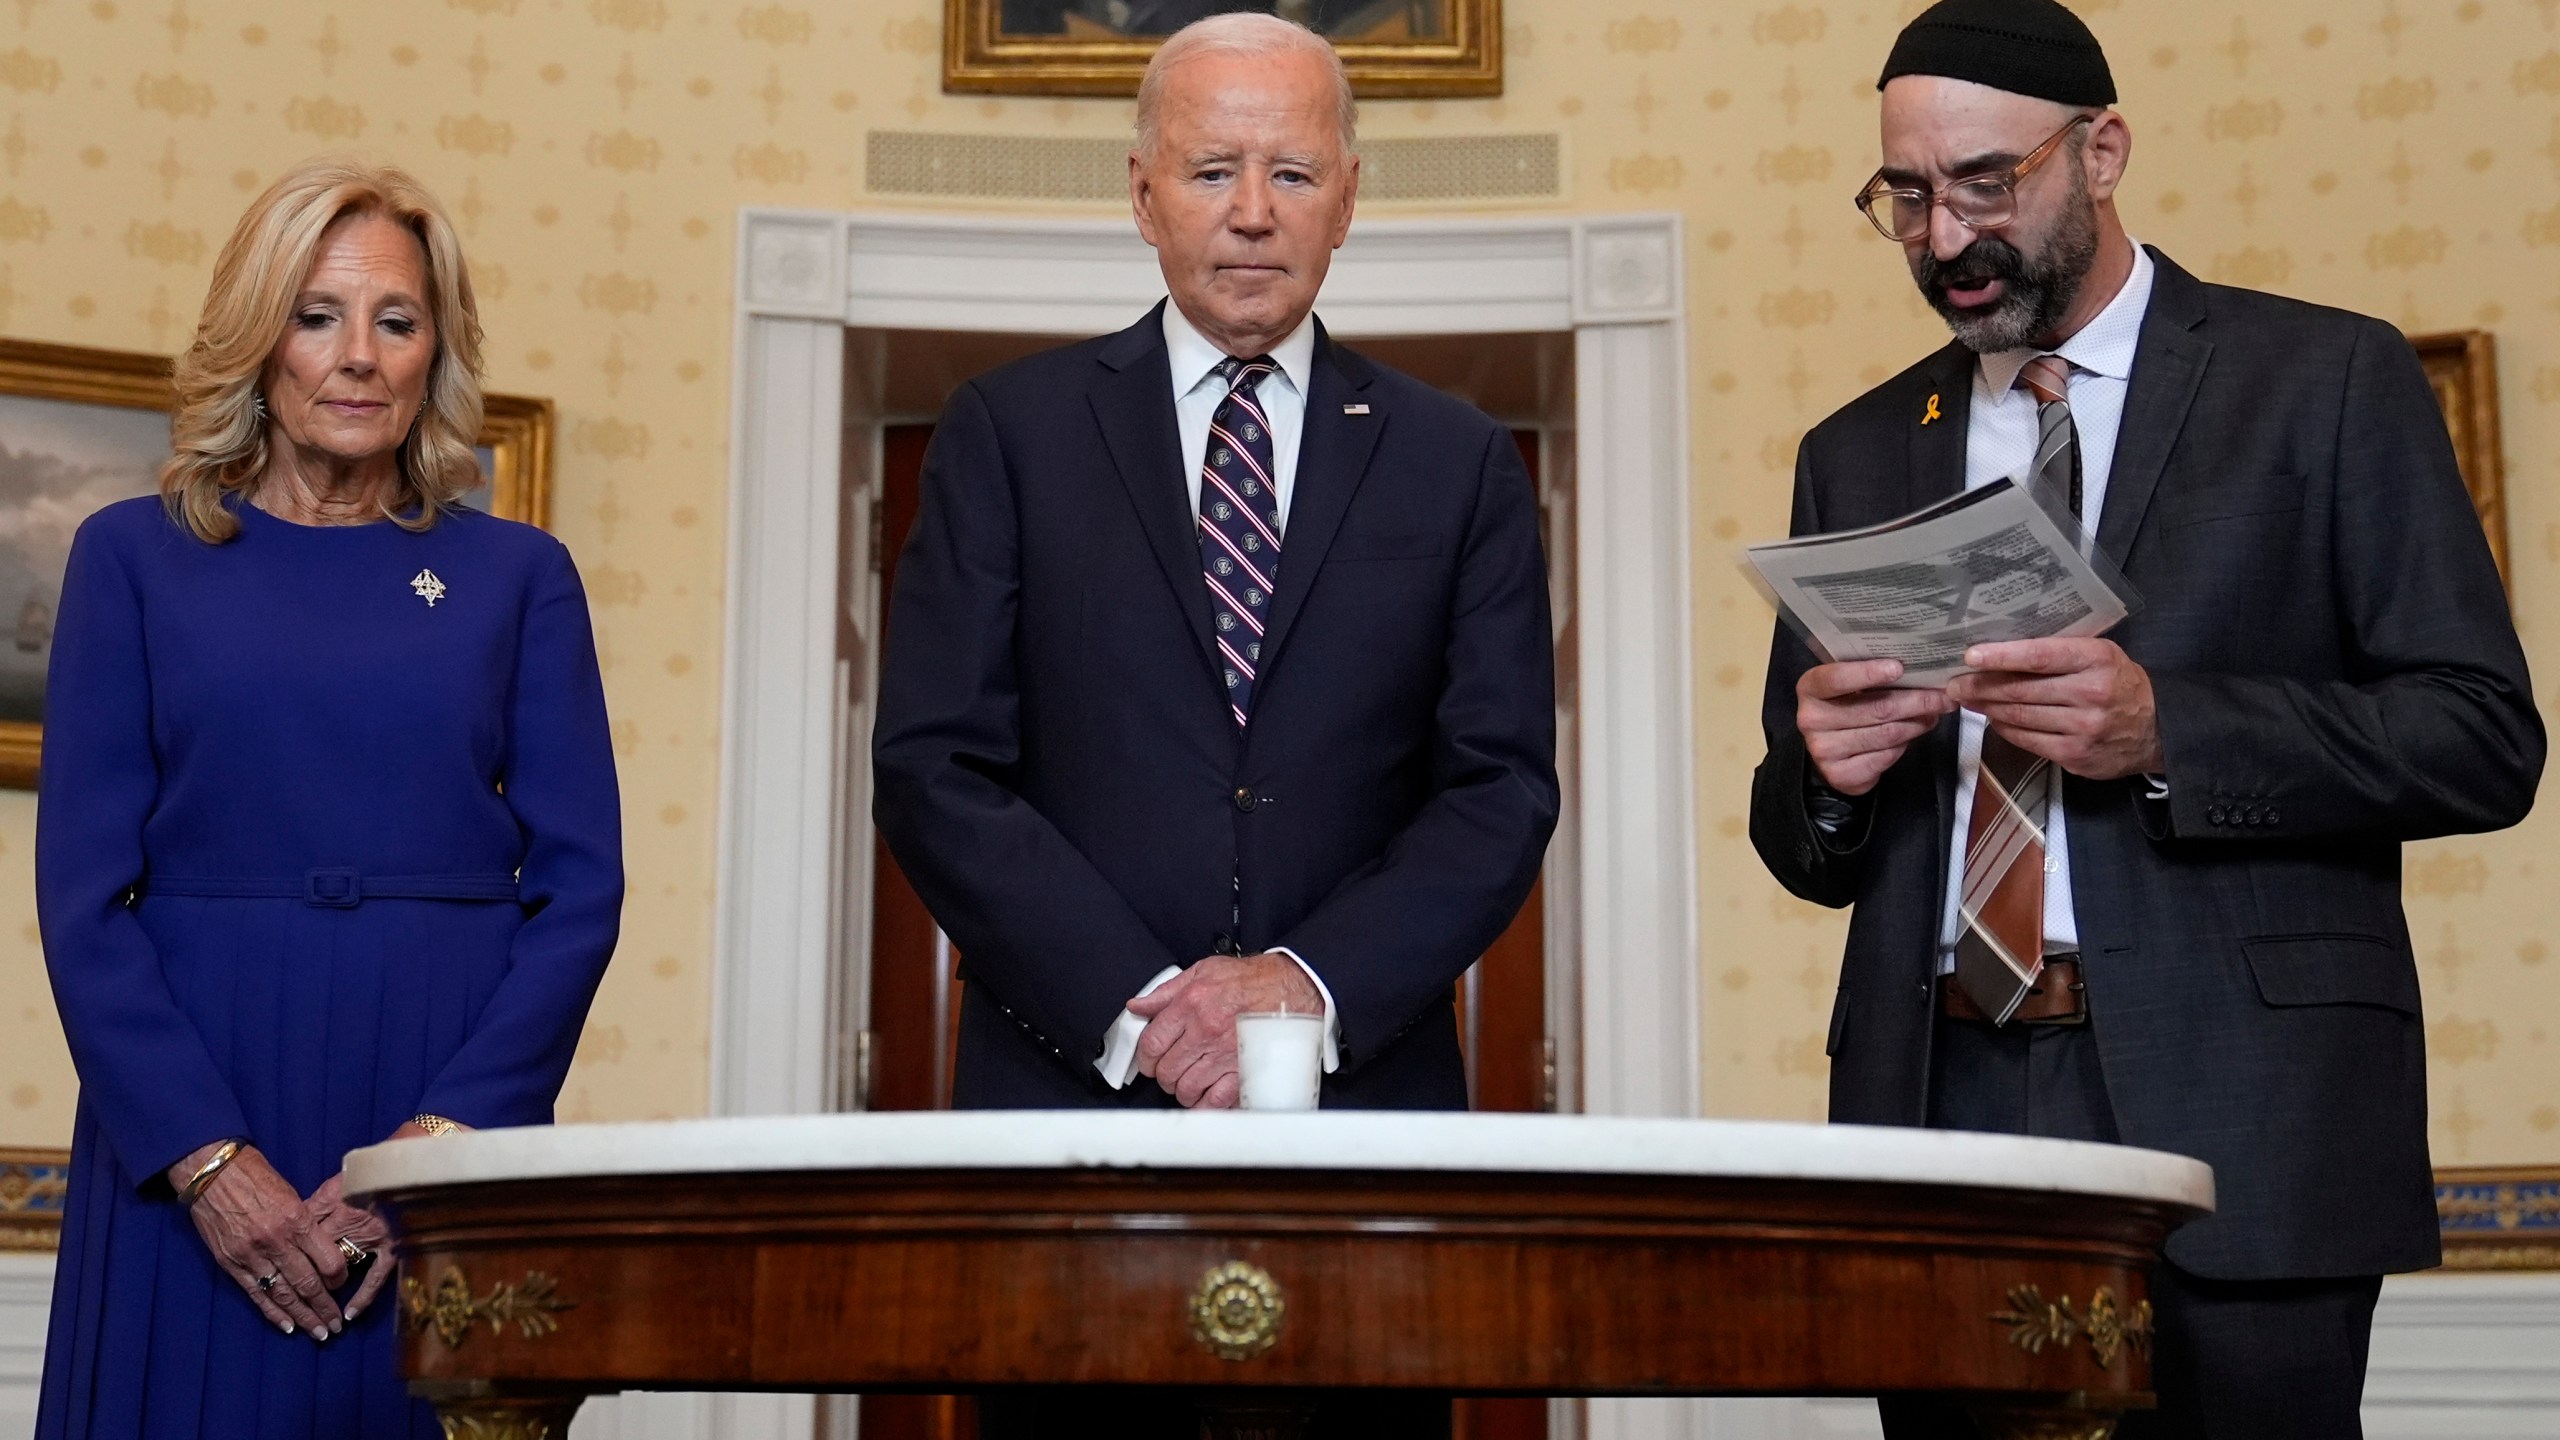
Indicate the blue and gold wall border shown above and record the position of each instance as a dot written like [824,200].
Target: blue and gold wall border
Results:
[2500,1219]
[32,1184]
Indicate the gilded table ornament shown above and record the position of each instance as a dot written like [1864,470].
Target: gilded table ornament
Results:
[505,1419]
[2004,1424]
[449,1309]
[2035,1322]
[1237,1310]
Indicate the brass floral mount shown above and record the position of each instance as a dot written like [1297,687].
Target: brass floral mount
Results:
[2035,1322]
[449,1309]
[499,1419]
[1236,1311]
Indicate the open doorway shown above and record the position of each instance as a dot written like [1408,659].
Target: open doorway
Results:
[898,985]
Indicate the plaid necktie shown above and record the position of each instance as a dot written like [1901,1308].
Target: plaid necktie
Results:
[1240,527]
[2000,952]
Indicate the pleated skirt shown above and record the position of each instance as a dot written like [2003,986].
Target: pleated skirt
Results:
[329,1025]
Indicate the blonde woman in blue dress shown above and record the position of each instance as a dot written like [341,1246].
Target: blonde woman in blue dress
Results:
[328,848]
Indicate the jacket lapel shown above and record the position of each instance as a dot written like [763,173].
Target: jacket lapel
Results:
[1937,445]
[1333,455]
[2168,366]
[1133,407]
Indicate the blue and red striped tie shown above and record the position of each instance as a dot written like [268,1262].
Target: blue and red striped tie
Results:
[1240,527]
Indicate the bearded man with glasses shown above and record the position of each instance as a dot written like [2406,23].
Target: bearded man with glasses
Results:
[2184,931]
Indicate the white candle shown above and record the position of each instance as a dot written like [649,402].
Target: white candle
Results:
[1281,1060]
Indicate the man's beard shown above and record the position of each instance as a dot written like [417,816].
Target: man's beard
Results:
[2034,294]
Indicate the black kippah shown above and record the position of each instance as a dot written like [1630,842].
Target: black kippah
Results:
[2026,47]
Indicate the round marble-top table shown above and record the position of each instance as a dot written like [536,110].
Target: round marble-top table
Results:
[1276,1255]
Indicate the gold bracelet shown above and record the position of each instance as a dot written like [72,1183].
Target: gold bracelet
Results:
[435,1125]
[194,1187]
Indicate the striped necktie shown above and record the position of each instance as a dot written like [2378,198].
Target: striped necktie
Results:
[2000,952]
[1240,527]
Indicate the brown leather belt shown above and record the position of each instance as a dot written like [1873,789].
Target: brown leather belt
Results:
[2057,998]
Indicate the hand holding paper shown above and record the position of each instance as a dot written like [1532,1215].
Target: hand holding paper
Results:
[2081,703]
[1856,725]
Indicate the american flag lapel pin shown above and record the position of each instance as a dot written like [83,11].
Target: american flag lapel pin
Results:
[1355,409]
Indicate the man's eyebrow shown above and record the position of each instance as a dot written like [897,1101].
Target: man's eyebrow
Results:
[1989,163]
[1984,163]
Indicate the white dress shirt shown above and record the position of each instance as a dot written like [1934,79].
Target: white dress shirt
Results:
[2000,441]
[1197,393]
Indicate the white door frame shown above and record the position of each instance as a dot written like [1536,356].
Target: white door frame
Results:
[805,276]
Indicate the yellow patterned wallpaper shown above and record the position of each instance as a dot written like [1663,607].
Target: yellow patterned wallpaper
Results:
[2398,156]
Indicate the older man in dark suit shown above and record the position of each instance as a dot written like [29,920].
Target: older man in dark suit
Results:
[1219,675]
[2146,888]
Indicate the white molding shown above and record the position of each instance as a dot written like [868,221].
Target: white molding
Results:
[791,264]
[779,752]
[1638,867]
[26,1295]
[2469,1356]
[1626,271]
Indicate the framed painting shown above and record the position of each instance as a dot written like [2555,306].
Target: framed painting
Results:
[1395,49]
[83,428]
[2462,365]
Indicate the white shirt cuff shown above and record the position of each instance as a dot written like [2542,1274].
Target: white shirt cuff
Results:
[1332,1021]
[1119,1062]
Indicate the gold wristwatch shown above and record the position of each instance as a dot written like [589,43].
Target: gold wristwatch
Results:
[435,1125]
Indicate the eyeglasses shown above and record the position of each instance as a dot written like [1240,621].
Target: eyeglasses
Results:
[1980,202]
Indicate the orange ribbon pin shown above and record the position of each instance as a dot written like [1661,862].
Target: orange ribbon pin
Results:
[1933,411]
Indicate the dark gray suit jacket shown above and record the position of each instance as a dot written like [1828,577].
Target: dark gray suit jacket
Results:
[2336,673]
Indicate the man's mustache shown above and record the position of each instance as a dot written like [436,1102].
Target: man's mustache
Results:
[1984,260]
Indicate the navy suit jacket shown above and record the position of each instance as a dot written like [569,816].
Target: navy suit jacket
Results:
[2335,673]
[1057,769]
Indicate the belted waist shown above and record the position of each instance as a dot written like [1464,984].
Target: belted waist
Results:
[334,889]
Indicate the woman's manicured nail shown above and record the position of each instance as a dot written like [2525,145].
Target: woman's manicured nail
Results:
[288,1326]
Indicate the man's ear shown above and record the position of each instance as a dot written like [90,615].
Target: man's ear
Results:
[1350,201]
[1140,197]
[2106,153]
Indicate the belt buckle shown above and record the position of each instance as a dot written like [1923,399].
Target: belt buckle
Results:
[332,889]
[2078,990]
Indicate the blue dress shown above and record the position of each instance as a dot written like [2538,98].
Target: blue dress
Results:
[314,853]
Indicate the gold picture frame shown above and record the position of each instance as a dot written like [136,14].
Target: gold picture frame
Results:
[2462,365]
[1456,50]
[515,443]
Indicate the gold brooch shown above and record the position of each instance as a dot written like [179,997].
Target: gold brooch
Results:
[1933,411]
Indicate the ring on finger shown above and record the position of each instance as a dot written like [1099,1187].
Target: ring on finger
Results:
[353,1251]
[267,1282]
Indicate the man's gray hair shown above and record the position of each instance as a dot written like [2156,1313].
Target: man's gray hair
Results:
[1252,35]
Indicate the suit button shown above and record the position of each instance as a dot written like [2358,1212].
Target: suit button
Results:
[1244,799]
[2274,816]
[2215,814]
